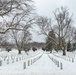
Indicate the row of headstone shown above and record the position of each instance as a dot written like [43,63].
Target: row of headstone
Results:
[35,59]
[70,59]
[59,64]
[67,58]
[60,57]
[0,62]
[30,62]
[11,59]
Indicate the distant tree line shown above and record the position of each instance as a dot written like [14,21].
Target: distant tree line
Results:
[60,33]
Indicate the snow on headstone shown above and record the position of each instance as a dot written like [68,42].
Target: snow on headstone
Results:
[69,59]
[22,57]
[72,59]
[31,62]
[28,62]
[4,58]
[58,63]
[16,59]
[0,62]
[7,61]
[24,65]
[12,60]
[61,66]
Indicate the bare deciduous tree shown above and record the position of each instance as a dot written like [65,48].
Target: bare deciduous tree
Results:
[60,27]
[63,22]
[12,9]
[8,6]
[19,12]
[22,35]
[21,38]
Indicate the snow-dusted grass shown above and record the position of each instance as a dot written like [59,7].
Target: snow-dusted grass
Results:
[17,66]
[70,56]
[11,57]
[38,65]
[69,65]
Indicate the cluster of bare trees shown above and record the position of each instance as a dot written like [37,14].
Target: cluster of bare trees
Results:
[62,27]
[17,17]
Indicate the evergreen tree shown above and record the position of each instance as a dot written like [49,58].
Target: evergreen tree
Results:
[74,46]
[69,46]
[43,48]
[49,42]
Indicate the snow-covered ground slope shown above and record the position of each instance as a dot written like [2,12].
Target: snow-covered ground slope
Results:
[12,60]
[68,62]
[68,67]
[17,66]
[41,64]
[69,55]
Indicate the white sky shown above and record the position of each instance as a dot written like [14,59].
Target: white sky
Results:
[46,8]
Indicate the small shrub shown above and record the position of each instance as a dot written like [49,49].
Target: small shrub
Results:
[43,48]
[34,49]
[8,49]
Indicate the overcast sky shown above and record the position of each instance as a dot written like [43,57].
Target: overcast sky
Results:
[46,8]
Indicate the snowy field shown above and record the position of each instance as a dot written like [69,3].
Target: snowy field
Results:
[37,63]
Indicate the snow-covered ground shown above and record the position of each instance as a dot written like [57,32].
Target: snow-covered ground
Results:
[68,67]
[39,64]
[12,60]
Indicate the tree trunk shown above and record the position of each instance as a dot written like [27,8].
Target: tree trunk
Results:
[64,51]
[19,52]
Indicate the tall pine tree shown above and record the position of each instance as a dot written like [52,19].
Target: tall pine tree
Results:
[68,46]
[50,45]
